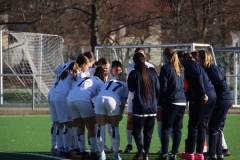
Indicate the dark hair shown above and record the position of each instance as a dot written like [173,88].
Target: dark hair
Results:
[102,61]
[100,73]
[188,56]
[173,59]
[90,56]
[67,70]
[194,54]
[139,61]
[180,54]
[116,63]
[139,50]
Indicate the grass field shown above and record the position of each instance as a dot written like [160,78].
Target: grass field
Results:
[31,134]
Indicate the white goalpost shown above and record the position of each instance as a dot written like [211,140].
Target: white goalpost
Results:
[28,60]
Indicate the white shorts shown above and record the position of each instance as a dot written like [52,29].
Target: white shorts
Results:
[130,103]
[107,105]
[60,109]
[81,109]
[52,109]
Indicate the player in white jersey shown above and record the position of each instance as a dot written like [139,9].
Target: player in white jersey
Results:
[58,101]
[110,101]
[81,107]
[129,104]
[102,62]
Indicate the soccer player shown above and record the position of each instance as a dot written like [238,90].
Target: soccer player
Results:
[204,96]
[69,75]
[144,83]
[129,104]
[223,103]
[81,107]
[173,101]
[110,101]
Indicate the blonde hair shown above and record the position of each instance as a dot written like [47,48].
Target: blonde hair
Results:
[173,58]
[207,57]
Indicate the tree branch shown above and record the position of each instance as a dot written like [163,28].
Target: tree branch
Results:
[126,25]
[22,22]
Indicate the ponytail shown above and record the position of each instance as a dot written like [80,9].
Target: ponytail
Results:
[139,61]
[173,58]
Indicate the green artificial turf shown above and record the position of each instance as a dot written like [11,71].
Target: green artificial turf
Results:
[31,134]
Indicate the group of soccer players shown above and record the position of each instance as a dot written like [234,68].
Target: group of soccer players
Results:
[95,97]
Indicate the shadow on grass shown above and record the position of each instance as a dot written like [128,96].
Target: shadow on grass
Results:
[47,156]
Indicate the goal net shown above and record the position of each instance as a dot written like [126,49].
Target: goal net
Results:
[28,60]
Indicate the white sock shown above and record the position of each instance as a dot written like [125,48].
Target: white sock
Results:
[224,144]
[115,140]
[129,136]
[67,137]
[53,136]
[73,143]
[100,141]
[109,128]
[81,143]
[92,143]
[59,137]
[159,131]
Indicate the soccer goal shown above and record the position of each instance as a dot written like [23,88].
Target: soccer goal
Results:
[26,69]
[124,53]
[228,59]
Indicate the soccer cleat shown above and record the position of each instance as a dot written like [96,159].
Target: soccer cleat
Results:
[211,156]
[225,152]
[128,148]
[199,156]
[220,157]
[162,157]
[93,156]
[107,150]
[138,155]
[117,157]
[53,152]
[85,155]
[74,154]
[145,157]
[186,155]
[173,157]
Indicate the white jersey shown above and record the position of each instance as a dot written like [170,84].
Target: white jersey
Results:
[114,88]
[131,67]
[90,72]
[61,68]
[110,76]
[64,86]
[85,89]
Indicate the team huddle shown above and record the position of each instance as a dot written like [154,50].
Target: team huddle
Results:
[83,96]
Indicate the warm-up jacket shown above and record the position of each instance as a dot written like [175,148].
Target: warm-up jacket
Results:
[140,105]
[171,86]
[218,79]
[197,79]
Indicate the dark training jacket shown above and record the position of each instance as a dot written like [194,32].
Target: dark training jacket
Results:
[218,79]
[197,79]
[140,105]
[171,86]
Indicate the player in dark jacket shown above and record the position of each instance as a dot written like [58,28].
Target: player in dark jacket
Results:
[223,103]
[173,102]
[204,96]
[144,83]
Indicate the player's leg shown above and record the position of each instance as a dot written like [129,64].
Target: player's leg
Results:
[113,110]
[87,113]
[100,115]
[129,131]
[159,127]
